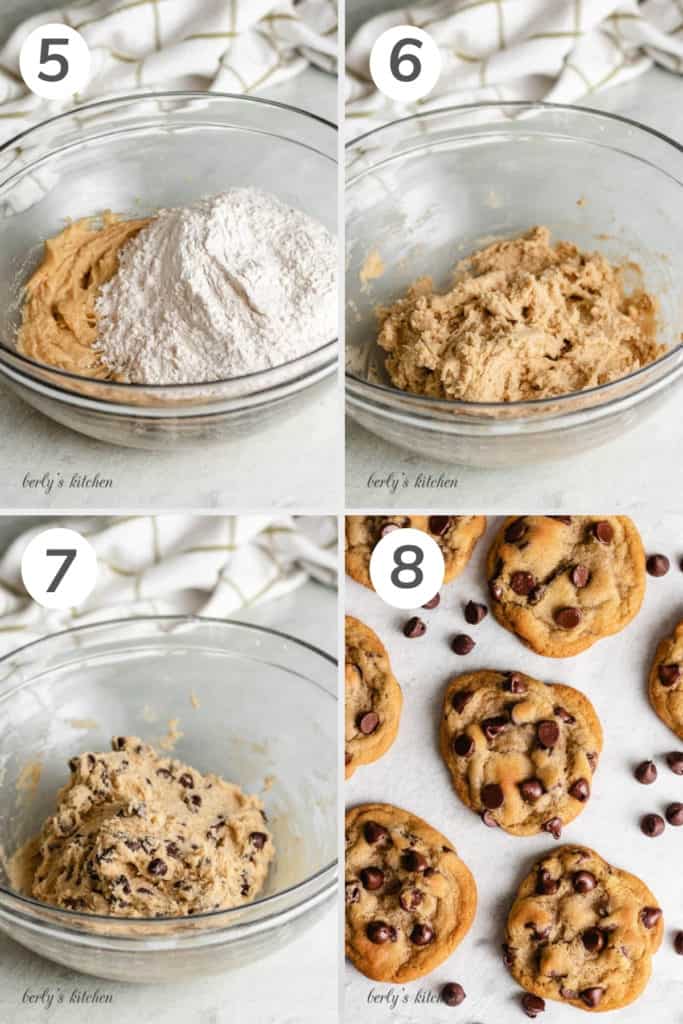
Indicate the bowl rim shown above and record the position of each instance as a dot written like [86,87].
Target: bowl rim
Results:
[178,94]
[425,403]
[71,917]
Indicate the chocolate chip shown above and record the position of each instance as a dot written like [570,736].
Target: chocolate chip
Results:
[433,603]
[489,820]
[157,866]
[553,826]
[593,940]
[352,893]
[367,722]
[546,885]
[678,943]
[173,850]
[132,844]
[388,528]
[567,520]
[508,955]
[195,800]
[674,814]
[603,531]
[463,745]
[564,715]
[439,524]
[414,627]
[474,613]
[186,780]
[567,618]
[462,644]
[375,833]
[164,773]
[532,1005]
[410,899]
[675,762]
[492,796]
[592,996]
[652,825]
[580,790]
[258,839]
[422,935]
[492,727]
[452,994]
[414,861]
[513,683]
[567,993]
[118,743]
[460,699]
[522,583]
[583,881]
[650,916]
[372,878]
[580,576]
[547,733]
[646,772]
[380,932]
[73,764]
[669,674]
[531,790]
[657,565]
[516,530]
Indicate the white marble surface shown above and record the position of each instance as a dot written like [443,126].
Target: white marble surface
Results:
[266,470]
[412,774]
[298,985]
[606,477]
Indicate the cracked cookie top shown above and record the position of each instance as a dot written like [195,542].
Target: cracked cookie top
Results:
[666,681]
[560,583]
[410,900]
[373,698]
[521,753]
[582,932]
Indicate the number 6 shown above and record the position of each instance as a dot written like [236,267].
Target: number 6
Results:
[397,58]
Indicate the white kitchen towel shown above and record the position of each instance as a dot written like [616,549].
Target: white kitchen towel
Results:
[560,51]
[174,565]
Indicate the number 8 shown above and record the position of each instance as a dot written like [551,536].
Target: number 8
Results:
[403,566]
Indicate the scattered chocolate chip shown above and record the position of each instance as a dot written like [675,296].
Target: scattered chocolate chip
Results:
[646,772]
[531,790]
[513,683]
[567,618]
[492,796]
[592,996]
[580,790]
[489,820]
[547,733]
[375,833]
[593,940]
[410,899]
[463,745]
[186,780]
[583,881]
[652,825]
[433,603]
[669,674]
[508,955]
[380,932]
[564,715]
[157,866]
[367,722]
[553,826]
[603,531]
[522,583]
[414,627]
[118,743]
[474,613]
[439,524]
[532,1005]
[675,762]
[546,885]
[657,565]
[516,530]
[674,814]
[650,916]
[452,994]
[462,644]
[352,892]
[372,878]
[414,861]
[678,943]
[580,576]
[258,839]
[492,727]
[460,699]
[421,935]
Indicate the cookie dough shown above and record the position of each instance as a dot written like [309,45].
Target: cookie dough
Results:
[59,325]
[583,932]
[455,535]
[139,835]
[521,753]
[563,582]
[410,900]
[373,698]
[666,681]
[524,320]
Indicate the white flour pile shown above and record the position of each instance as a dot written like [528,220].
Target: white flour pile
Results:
[235,283]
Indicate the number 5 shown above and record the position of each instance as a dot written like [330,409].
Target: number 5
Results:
[46,56]
[68,554]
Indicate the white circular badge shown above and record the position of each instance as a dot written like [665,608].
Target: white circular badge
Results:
[59,568]
[55,61]
[407,568]
[405,63]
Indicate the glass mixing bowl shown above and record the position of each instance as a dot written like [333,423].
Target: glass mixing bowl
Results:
[426,191]
[134,155]
[263,715]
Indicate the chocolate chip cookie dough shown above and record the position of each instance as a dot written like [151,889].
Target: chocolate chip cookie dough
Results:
[524,320]
[139,835]
[373,698]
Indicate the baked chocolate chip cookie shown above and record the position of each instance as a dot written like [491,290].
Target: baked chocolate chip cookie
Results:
[455,535]
[666,681]
[521,753]
[562,582]
[582,932]
[410,900]
[373,698]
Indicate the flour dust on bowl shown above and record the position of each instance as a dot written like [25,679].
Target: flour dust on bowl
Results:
[188,289]
[256,707]
[428,192]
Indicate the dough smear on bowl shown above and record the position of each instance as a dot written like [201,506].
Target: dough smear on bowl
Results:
[524,319]
[139,835]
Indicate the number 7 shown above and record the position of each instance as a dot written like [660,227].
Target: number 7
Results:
[68,554]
